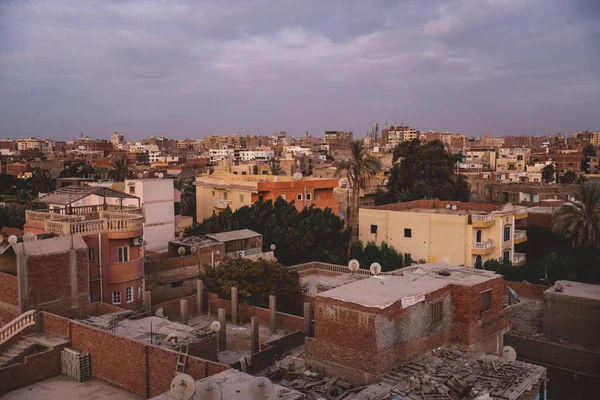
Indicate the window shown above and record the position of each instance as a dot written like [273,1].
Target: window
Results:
[241,198]
[129,294]
[90,254]
[244,173]
[124,254]
[407,259]
[486,300]
[139,292]
[225,195]
[506,255]
[265,172]
[235,172]
[116,297]
[261,198]
[299,196]
[282,196]
[373,228]
[437,311]
[478,236]
[92,297]
[506,233]
[407,232]
[177,284]
[131,189]
[213,193]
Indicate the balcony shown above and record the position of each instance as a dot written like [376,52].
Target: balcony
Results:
[482,220]
[482,248]
[107,221]
[521,212]
[520,236]
[519,259]
[221,204]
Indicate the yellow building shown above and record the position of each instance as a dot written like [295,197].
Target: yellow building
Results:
[446,232]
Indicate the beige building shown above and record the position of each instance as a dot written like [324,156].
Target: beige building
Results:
[446,232]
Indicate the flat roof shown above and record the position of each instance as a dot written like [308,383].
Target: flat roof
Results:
[233,235]
[55,245]
[407,285]
[576,289]
[61,387]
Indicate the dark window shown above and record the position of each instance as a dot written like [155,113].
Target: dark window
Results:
[176,284]
[261,198]
[437,311]
[132,189]
[123,256]
[506,233]
[373,228]
[478,237]
[244,173]
[407,232]
[506,255]
[486,300]
[92,297]
[90,253]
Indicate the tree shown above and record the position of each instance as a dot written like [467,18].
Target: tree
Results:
[579,221]
[424,171]
[386,256]
[275,167]
[581,179]
[569,177]
[120,171]
[188,201]
[358,168]
[12,215]
[548,173]
[589,151]
[255,282]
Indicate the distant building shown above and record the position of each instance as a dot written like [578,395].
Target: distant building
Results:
[117,138]
[397,134]
[338,139]
[446,232]
[34,144]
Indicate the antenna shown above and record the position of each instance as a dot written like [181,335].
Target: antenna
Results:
[375,268]
[12,239]
[261,389]
[297,176]
[183,387]
[353,265]
[209,390]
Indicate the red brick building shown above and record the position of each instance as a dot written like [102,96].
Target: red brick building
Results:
[367,327]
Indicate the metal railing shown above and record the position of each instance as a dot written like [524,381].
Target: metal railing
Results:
[483,245]
[17,325]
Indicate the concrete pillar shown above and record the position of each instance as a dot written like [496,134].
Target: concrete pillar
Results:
[222,332]
[234,305]
[307,317]
[183,310]
[147,301]
[272,313]
[254,347]
[199,296]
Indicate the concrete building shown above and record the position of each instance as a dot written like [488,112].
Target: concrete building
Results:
[397,134]
[216,192]
[112,226]
[523,193]
[365,328]
[117,138]
[34,144]
[480,159]
[157,199]
[454,233]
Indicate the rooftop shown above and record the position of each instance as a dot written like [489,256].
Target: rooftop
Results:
[72,193]
[195,241]
[446,207]
[575,289]
[56,245]
[407,285]
[233,235]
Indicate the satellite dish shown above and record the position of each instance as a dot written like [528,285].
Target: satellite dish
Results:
[181,250]
[272,247]
[572,198]
[161,175]
[160,312]
[29,236]
[448,206]
[261,389]
[297,176]
[193,250]
[156,174]
[354,265]
[508,353]
[140,176]
[172,338]
[12,239]
[183,387]
[454,208]
[375,268]
[146,172]
[209,390]
[215,326]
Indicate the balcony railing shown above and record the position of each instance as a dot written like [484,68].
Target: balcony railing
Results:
[17,325]
[488,244]
[520,234]
[518,258]
[94,226]
[482,217]
[221,203]
[316,265]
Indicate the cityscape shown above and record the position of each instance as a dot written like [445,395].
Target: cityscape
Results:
[337,256]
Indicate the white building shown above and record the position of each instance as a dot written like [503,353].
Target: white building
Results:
[117,138]
[220,154]
[34,143]
[249,155]
[292,151]
[157,199]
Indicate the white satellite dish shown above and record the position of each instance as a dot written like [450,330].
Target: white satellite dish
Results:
[172,338]
[297,176]
[508,353]
[261,389]
[140,176]
[454,208]
[353,265]
[146,172]
[181,250]
[12,239]
[272,247]
[215,326]
[208,390]
[448,206]
[156,174]
[193,250]
[183,387]
[375,268]
[29,237]
[572,199]
[160,312]
[161,175]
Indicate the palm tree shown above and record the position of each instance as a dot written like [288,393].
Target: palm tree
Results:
[120,171]
[358,167]
[579,220]
[188,201]
[275,167]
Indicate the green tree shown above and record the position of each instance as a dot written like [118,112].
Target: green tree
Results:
[589,151]
[275,167]
[569,177]
[385,255]
[12,215]
[255,281]
[581,179]
[548,173]
[358,168]
[120,171]
[579,221]
[424,171]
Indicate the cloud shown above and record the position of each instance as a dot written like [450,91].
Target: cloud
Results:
[188,68]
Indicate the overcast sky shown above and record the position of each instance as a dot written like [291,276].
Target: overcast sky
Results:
[194,68]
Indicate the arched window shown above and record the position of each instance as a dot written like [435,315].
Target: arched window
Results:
[478,236]
[478,263]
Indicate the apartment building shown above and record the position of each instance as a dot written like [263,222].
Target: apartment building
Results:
[112,226]
[216,192]
[117,139]
[34,144]
[337,139]
[157,200]
[446,232]
[479,158]
[397,134]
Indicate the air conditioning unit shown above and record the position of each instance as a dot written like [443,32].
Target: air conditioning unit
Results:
[138,241]
[241,254]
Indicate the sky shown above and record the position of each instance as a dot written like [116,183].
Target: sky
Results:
[196,68]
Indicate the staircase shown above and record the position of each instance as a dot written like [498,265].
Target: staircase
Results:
[17,325]
[16,351]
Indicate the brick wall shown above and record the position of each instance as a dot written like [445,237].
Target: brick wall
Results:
[35,368]
[161,369]
[172,307]
[526,290]
[55,325]
[543,220]
[7,314]
[576,319]
[10,289]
